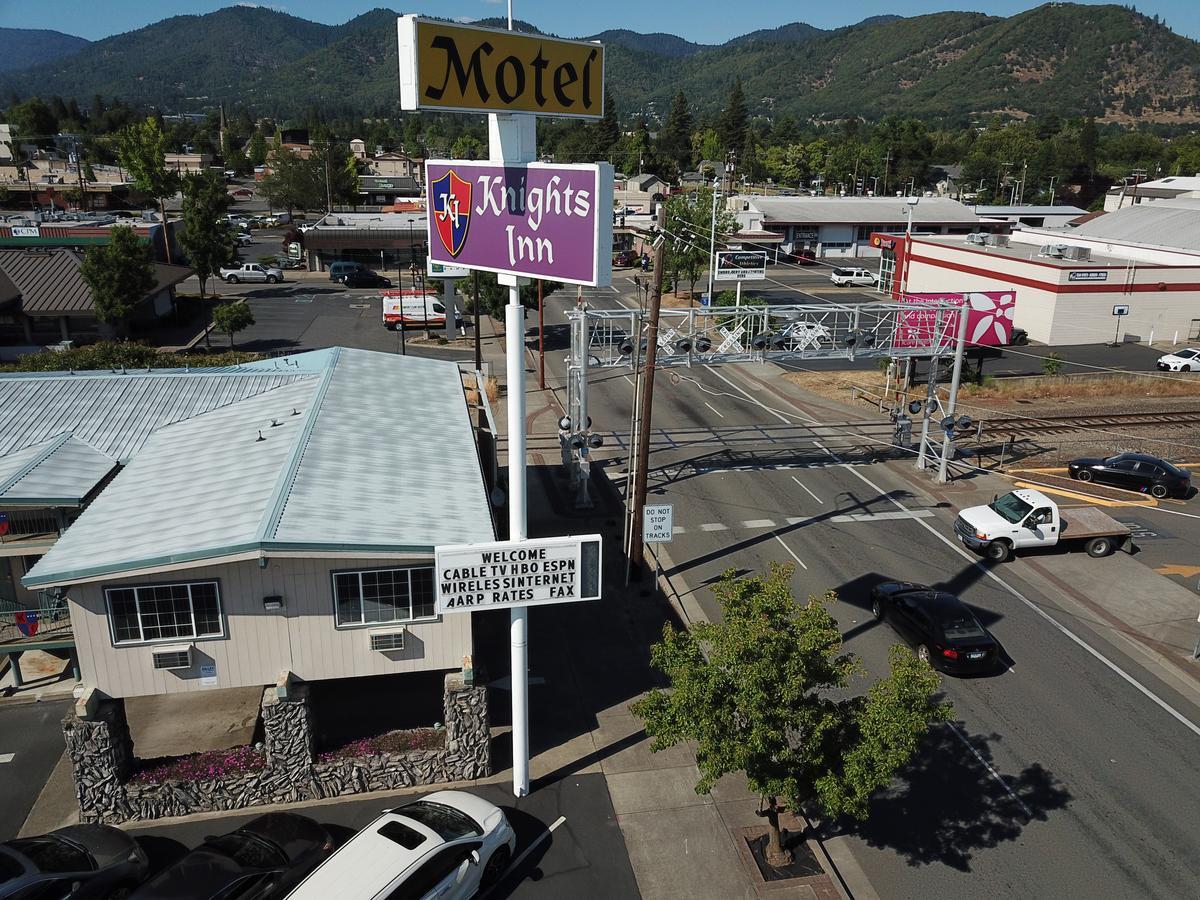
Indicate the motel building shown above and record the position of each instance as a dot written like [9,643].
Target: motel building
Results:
[1067,281]
[270,525]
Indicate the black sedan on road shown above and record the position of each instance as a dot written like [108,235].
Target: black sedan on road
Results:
[265,858]
[940,627]
[78,861]
[1134,472]
[365,278]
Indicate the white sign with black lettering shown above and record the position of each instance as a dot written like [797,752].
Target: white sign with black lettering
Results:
[658,523]
[1121,309]
[517,573]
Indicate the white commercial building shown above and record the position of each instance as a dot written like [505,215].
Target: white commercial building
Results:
[1173,187]
[842,226]
[1141,261]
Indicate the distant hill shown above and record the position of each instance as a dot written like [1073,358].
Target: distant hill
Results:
[1069,59]
[24,47]
[657,43]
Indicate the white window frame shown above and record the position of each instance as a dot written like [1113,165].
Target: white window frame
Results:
[333,577]
[142,639]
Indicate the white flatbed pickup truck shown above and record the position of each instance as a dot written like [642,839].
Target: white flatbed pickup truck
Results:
[1027,518]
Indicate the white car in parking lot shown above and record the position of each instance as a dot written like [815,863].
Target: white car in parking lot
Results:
[843,277]
[448,845]
[1185,360]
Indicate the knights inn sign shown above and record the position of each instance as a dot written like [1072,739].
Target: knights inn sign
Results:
[445,66]
[530,219]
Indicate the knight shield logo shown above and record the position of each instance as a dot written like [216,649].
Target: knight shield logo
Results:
[452,211]
[26,622]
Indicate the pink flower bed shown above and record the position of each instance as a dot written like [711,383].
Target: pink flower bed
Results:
[392,742]
[200,766]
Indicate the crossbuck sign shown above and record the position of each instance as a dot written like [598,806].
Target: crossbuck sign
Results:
[517,573]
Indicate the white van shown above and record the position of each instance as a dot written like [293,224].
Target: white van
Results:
[403,309]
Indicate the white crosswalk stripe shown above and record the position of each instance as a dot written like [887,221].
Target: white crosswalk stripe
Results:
[759,523]
[885,516]
[714,526]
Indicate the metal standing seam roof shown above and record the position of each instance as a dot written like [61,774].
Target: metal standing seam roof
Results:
[376,454]
[8,290]
[50,280]
[116,412]
[59,472]
[1173,224]
[860,210]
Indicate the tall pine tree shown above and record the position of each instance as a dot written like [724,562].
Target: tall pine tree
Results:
[675,139]
[608,129]
[732,127]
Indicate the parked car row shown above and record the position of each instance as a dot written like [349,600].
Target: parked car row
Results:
[449,845]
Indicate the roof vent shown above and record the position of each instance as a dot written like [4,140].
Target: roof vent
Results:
[275,423]
[295,412]
[260,437]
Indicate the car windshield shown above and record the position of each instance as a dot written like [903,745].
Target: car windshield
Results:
[1186,354]
[9,867]
[446,821]
[52,854]
[247,850]
[840,272]
[1011,507]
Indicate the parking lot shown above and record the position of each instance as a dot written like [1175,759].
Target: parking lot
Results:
[568,840]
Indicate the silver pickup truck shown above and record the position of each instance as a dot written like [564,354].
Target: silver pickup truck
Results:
[251,272]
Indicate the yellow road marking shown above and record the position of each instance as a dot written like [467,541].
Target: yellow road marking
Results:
[1087,498]
[1182,571]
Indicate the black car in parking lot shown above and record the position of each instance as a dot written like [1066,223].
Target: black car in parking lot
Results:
[940,627]
[262,860]
[79,861]
[365,278]
[1134,472]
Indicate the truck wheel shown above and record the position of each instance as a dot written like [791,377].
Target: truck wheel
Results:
[271,279]
[1084,475]
[1158,490]
[1098,547]
[232,279]
[876,609]
[997,551]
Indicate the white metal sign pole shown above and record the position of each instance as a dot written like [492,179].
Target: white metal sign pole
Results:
[513,138]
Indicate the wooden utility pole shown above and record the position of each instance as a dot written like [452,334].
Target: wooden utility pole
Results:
[636,547]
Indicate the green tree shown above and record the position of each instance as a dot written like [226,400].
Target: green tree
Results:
[33,121]
[257,154]
[689,233]
[763,692]
[493,296]
[732,126]
[608,129]
[675,139]
[120,275]
[207,239]
[142,149]
[232,318]
[290,184]
[1089,140]
[467,146]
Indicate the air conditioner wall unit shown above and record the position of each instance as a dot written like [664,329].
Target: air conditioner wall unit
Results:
[386,639]
[172,656]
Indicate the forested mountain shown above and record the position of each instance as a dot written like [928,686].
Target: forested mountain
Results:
[1071,60]
[24,47]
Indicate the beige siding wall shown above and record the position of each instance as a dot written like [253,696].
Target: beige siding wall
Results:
[258,645]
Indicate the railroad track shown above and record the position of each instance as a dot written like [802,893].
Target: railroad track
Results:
[1044,424]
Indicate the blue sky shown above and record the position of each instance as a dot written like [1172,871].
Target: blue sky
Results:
[704,22]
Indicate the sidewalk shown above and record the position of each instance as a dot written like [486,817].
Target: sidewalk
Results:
[680,843]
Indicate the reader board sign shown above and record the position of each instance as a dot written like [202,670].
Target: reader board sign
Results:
[658,523]
[534,220]
[989,319]
[748,265]
[451,67]
[517,573]
[441,270]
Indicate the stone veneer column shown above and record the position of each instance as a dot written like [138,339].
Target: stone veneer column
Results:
[468,729]
[287,731]
[101,753]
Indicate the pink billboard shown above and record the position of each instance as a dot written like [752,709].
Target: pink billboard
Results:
[989,319]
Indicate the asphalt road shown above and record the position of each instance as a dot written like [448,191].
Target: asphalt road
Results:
[1058,778]
[31,743]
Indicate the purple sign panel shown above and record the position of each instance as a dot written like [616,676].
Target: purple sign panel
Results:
[530,219]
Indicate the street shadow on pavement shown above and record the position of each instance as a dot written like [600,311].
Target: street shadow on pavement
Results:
[529,829]
[951,803]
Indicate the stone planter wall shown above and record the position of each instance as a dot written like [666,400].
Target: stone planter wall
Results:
[102,756]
